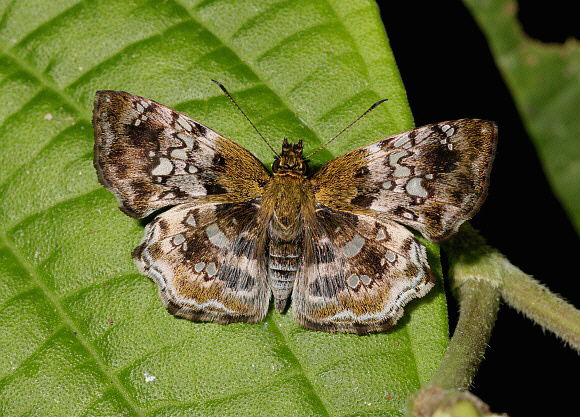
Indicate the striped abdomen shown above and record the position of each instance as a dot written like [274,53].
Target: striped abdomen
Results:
[283,262]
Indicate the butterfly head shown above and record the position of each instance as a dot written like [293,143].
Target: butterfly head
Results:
[291,160]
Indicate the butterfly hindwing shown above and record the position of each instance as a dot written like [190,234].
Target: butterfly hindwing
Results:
[358,273]
[207,260]
[150,156]
[432,178]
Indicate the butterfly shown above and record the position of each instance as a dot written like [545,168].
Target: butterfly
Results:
[234,236]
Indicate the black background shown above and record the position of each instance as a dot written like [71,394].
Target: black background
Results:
[449,73]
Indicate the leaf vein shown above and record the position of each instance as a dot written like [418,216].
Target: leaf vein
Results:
[53,299]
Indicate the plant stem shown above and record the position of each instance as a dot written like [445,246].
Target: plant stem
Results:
[471,257]
[479,275]
[539,304]
[478,299]
[479,303]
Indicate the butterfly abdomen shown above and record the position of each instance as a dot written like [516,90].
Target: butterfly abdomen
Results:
[284,260]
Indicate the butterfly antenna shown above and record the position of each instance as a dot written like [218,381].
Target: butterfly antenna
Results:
[346,128]
[247,118]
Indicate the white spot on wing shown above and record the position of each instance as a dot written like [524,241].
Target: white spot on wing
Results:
[381,234]
[183,123]
[164,168]
[353,247]
[422,134]
[188,140]
[373,148]
[211,269]
[199,266]
[402,140]
[216,236]
[178,239]
[352,281]
[179,154]
[415,188]
[190,220]
[400,170]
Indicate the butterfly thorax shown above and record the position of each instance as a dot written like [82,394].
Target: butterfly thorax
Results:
[287,199]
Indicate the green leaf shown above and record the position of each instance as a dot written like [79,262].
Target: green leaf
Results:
[83,334]
[544,80]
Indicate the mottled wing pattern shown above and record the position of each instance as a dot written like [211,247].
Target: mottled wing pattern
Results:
[208,261]
[359,264]
[150,156]
[358,273]
[432,178]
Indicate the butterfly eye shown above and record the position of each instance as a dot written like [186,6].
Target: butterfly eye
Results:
[305,167]
[275,165]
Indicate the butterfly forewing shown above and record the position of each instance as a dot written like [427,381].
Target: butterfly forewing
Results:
[432,178]
[151,156]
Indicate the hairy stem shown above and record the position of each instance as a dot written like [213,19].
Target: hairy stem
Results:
[479,276]
[539,304]
[518,290]
[479,303]
[478,299]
